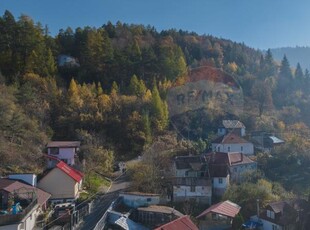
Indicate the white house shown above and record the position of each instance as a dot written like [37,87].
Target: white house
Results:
[186,188]
[232,143]
[239,165]
[65,151]
[228,167]
[62,182]
[139,199]
[231,126]
[191,179]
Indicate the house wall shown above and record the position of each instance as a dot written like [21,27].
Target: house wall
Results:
[28,222]
[64,154]
[221,131]
[218,222]
[135,201]
[220,188]
[246,148]
[184,192]
[59,185]
[30,219]
[180,172]
[238,131]
[237,171]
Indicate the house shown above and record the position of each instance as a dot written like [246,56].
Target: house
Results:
[232,143]
[218,216]
[282,215]
[220,179]
[191,179]
[20,204]
[265,141]
[65,151]
[231,127]
[155,215]
[183,223]
[138,199]
[225,168]
[62,182]
[121,216]
[239,165]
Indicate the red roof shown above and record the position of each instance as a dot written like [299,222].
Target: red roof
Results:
[182,223]
[73,173]
[230,138]
[225,208]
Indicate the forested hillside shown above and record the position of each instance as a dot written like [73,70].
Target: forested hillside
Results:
[114,98]
[294,54]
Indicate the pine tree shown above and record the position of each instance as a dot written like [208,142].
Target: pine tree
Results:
[285,69]
[159,109]
[147,127]
[298,72]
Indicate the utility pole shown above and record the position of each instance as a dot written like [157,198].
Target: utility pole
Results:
[257,204]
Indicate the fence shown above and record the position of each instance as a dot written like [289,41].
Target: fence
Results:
[11,219]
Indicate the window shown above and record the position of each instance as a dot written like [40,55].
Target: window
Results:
[235,170]
[218,149]
[274,227]
[54,151]
[193,188]
[228,148]
[220,180]
[270,214]
[241,148]
[149,199]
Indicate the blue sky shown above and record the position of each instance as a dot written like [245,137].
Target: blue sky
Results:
[260,24]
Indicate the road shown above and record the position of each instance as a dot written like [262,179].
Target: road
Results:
[102,202]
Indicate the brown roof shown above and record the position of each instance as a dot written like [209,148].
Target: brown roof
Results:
[63,144]
[220,162]
[232,124]
[190,162]
[182,223]
[285,213]
[226,208]
[10,186]
[238,158]
[230,138]
[160,209]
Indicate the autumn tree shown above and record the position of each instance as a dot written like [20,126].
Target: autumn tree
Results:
[159,110]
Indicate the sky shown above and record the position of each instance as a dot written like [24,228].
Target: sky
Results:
[260,24]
